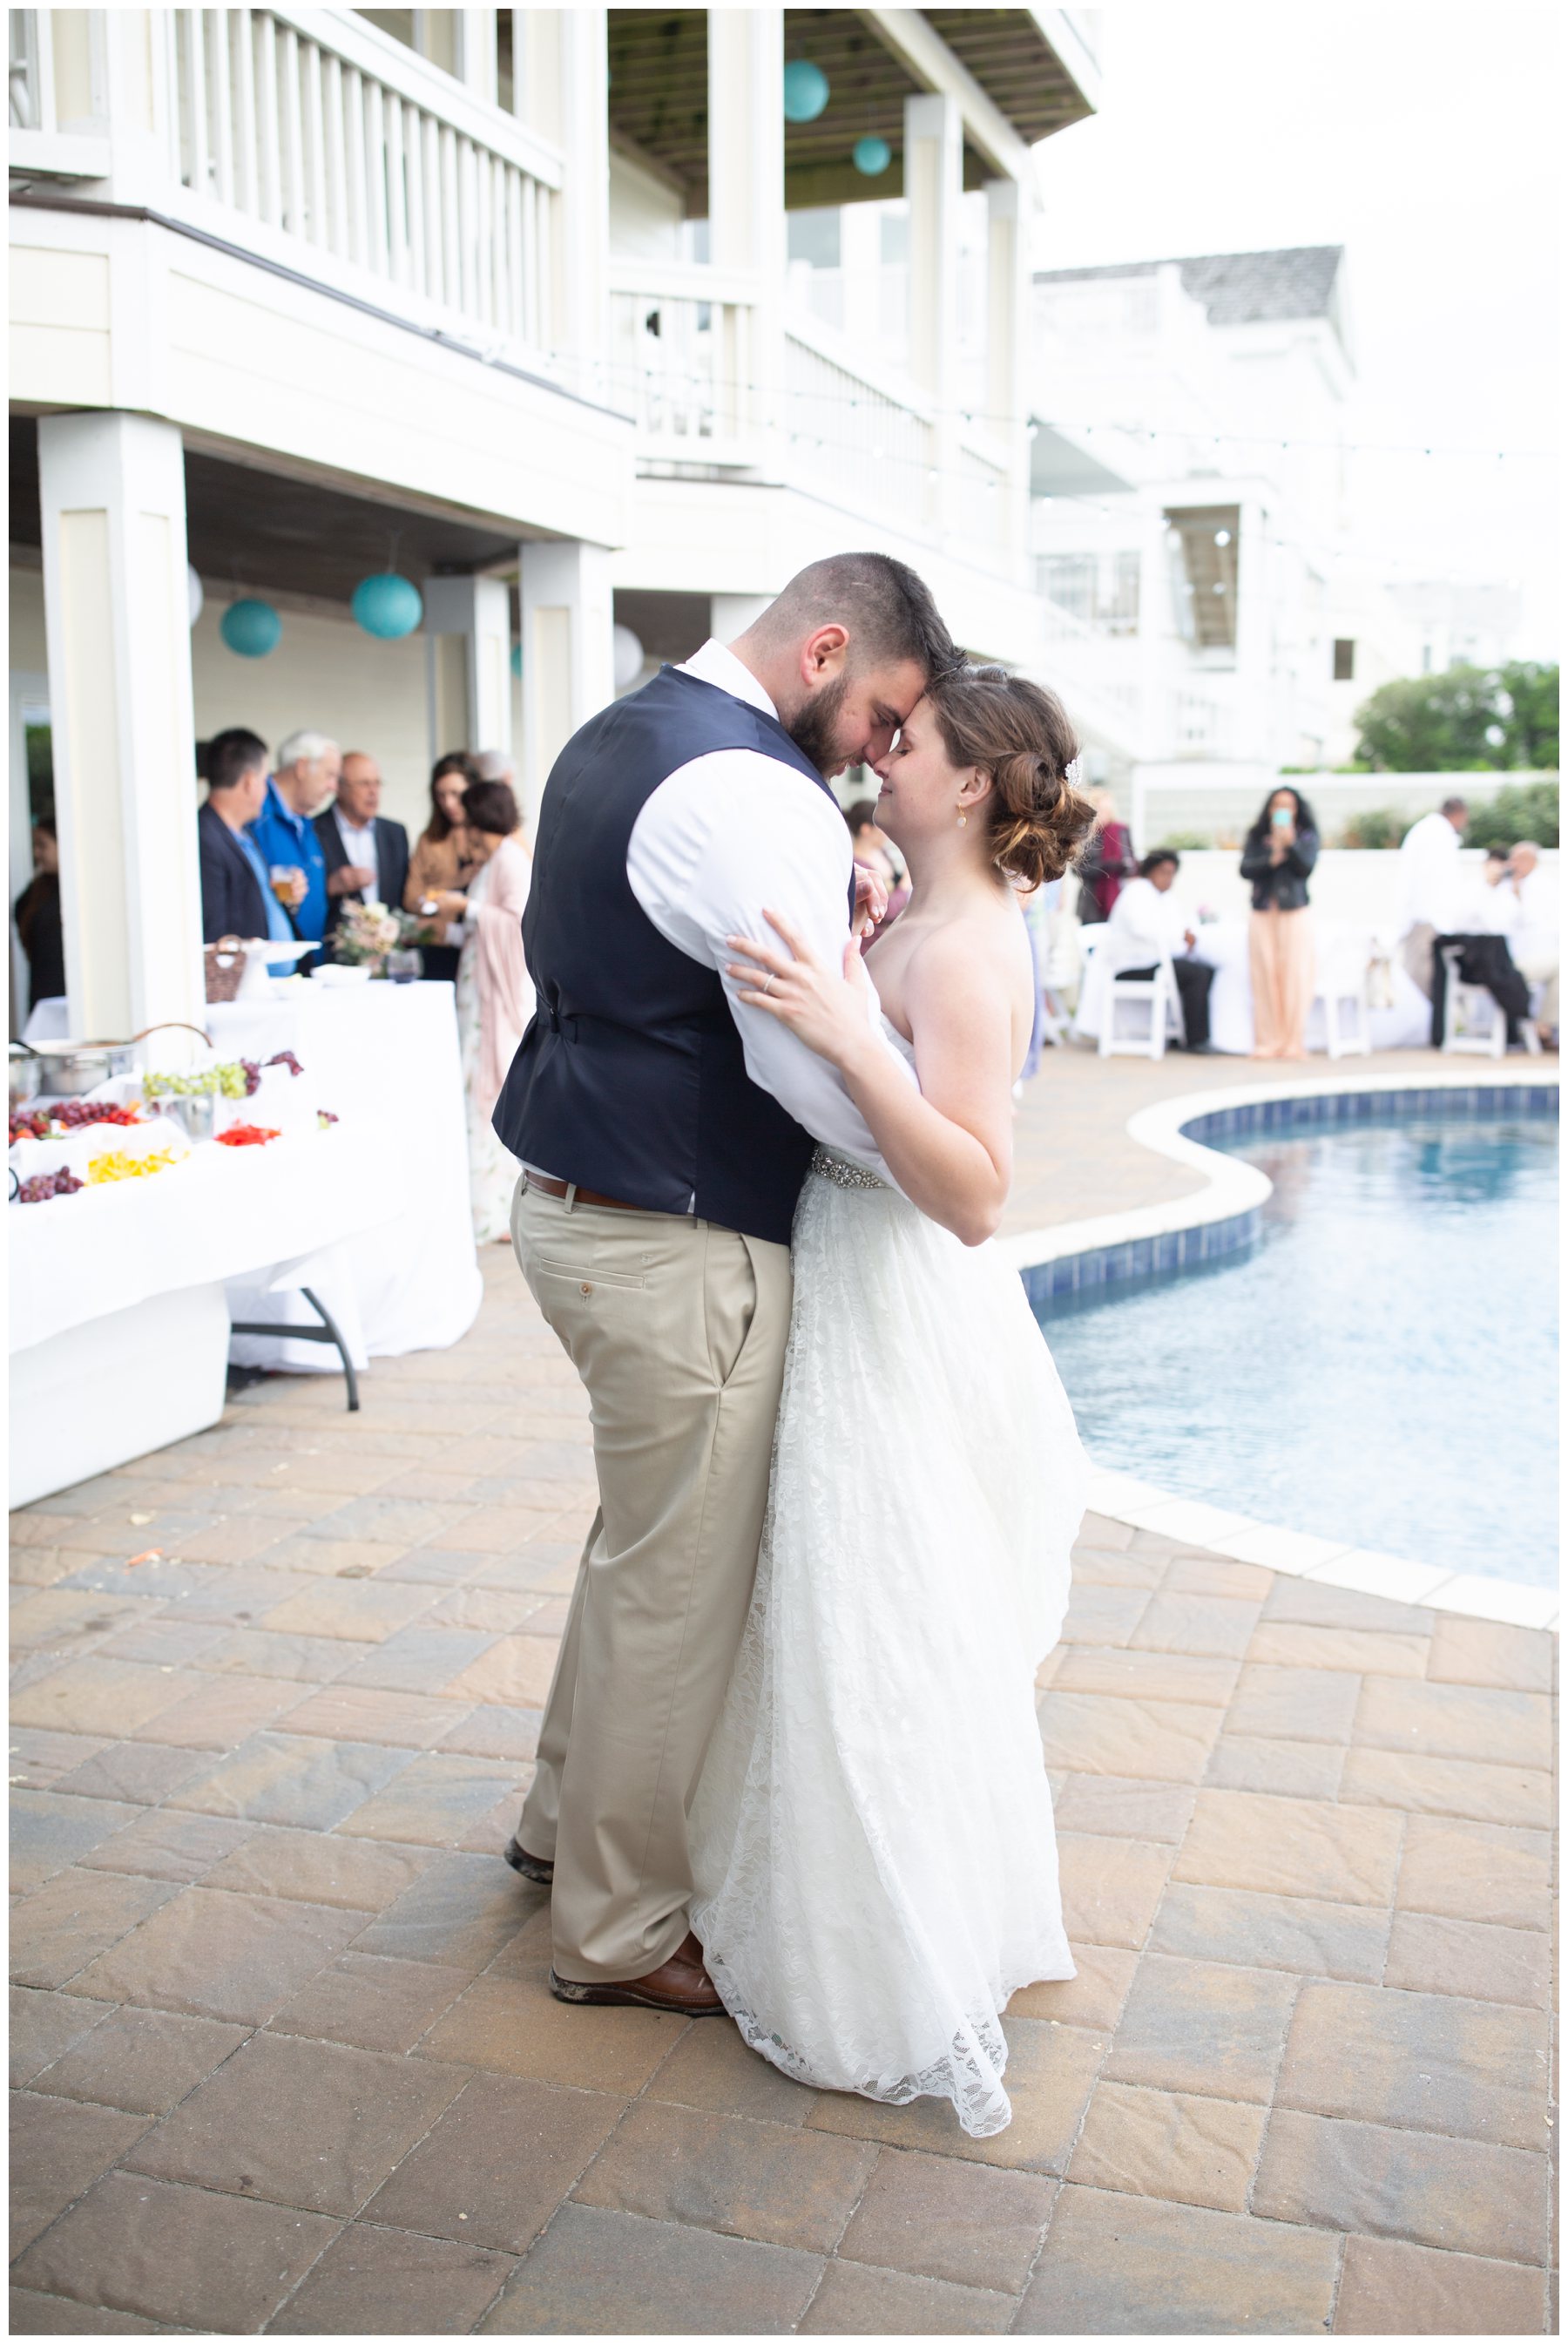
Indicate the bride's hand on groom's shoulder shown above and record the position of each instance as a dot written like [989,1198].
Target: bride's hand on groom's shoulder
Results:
[827,1007]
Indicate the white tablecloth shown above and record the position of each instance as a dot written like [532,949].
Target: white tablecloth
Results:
[385,1057]
[223,1212]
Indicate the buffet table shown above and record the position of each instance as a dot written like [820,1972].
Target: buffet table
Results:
[118,1329]
[385,1057]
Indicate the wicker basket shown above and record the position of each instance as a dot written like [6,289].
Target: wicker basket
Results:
[224,965]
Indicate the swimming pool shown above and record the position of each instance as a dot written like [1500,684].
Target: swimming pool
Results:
[1378,1367]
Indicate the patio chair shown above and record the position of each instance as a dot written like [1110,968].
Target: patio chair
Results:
[1345,964]
[1158,993]
[1472,1020]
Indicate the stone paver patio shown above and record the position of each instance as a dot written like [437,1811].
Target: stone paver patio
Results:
[283,2055]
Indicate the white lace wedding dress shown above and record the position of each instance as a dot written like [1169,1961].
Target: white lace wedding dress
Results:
[872,1838]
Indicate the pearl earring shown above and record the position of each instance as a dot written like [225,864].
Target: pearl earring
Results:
[963,819]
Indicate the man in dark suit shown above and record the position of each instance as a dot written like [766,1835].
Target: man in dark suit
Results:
[367,855]
[236,897]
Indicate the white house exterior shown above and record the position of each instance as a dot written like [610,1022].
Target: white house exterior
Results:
[1190,546]
[495,299]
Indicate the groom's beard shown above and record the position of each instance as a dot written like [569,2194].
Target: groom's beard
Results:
[813,727]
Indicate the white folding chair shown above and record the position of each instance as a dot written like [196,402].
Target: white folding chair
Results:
[1472,1020]
[1156,994]
[1344,965]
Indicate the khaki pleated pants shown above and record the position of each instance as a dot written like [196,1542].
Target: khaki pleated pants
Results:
[1285,970]
[678,1330]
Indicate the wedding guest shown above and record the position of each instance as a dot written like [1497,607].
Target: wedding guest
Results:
[1146,932]
[1430,873]
[444,859]
[1108,862]
[237,897]
[1039,903]
[37,913]
[366,854]
[1535,947]
[304,783]
[494,998]
[1492,908]
[874,851]
[1277,855]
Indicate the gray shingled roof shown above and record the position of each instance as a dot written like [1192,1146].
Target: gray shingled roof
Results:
[1240,288]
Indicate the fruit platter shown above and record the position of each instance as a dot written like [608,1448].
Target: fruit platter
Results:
[137,1126]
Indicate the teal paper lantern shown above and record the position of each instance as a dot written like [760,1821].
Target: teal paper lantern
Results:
[388,606]
[517,658]
[805,90]
[251,628]
[872,156]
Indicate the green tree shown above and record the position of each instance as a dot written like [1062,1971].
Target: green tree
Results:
[1529,689]
[1377,826]
[1522,810]
[1467,719]
[1431,723]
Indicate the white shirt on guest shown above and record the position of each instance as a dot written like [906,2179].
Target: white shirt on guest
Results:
[1430,873]
[719,839]
[1493,909]
[359,845]
[1145,927]
[1536,936]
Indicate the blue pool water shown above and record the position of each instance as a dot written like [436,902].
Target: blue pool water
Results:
[1380,1366]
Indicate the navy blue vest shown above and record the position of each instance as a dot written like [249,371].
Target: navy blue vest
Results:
[630,1078]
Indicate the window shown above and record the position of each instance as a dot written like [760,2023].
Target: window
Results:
[1099,589]
[1344,659]
[1205,572]
[814,238]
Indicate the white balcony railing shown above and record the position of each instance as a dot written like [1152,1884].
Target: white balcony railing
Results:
[332,138]
[1084,659]
[856,439]
[683,361]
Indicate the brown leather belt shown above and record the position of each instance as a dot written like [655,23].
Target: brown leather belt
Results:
[580,1195]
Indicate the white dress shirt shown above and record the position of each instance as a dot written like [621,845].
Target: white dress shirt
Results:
[359,845]
[1145,927]
[718,840]
[1430,871]
[1492,908]
[1536,939]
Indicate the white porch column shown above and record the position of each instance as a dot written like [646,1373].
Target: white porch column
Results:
[561,60]
[1007,350]
[477,611]
[569,670]
[933,184]
[746,205]
[111,491]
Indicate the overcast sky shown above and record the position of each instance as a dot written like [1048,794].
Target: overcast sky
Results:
[1426,139]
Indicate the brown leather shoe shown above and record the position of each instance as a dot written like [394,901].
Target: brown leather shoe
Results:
[681,1985]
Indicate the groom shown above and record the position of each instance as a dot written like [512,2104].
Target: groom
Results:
[665,1130]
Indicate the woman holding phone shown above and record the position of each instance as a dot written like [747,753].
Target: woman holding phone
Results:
[1277,856]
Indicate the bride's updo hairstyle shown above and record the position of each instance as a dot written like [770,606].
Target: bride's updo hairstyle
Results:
[1018,733]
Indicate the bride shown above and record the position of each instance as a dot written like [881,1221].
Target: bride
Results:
[874,1850]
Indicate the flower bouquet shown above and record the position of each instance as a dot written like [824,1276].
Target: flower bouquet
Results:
[366,933]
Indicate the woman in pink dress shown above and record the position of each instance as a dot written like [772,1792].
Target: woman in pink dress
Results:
[495,996]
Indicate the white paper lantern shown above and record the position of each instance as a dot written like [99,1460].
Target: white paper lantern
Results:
[195,597]
[627,653]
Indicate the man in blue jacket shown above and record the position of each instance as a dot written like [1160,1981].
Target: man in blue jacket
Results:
[304,782]
[237,898]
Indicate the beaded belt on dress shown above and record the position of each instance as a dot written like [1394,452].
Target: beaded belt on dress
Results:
[842,1172]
